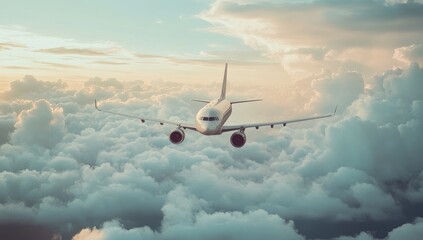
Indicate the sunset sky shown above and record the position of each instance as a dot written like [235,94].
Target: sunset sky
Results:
[189,40]
[70,172]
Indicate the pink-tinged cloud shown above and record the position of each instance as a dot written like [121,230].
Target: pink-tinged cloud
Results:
[310,35]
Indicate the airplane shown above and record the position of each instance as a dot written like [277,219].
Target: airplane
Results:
[210,120]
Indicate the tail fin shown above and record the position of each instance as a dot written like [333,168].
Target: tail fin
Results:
[223,93]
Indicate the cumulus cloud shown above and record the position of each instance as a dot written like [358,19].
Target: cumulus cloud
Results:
[83,174]
[41,125]
[6,127]
[412,53]
[234,225]
[31,88]
[87,234]
[407,231]
[351,35]
[342,90]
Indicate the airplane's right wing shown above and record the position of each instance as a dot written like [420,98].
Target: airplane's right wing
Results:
[271,124]
[143,119]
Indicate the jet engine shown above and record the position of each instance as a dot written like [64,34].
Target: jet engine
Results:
[238,139]
[177,136]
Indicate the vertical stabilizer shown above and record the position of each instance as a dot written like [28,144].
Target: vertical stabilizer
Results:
[223,93]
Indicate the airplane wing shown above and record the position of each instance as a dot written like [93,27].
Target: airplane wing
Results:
[271,124]
[143,119]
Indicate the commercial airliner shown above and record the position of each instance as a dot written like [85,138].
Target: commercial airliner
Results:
[210,120]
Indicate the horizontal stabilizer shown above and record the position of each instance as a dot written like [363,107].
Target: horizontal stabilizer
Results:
[245,101]
[197,100]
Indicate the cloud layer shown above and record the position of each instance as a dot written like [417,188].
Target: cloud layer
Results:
[80,173]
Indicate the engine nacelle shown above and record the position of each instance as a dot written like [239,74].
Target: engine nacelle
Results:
[177,136]
[238,139]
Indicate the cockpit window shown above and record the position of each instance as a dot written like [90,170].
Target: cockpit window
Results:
[209,118]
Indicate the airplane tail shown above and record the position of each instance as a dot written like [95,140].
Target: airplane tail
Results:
[223,93]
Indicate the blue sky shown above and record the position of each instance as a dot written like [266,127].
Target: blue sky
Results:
[162,32]
[164,27]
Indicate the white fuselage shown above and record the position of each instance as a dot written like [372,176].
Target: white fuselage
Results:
[210,119]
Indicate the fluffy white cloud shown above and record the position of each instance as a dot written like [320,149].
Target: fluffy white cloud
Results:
[339,90]
[6,127]
[68,167]
[221,225]
[42,125]
[407,231]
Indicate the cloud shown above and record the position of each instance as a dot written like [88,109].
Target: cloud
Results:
[17,67]
[74,51]
[412,53]
[361,236]
[407,231]
[87,234]
[342,90]
[31,88]
[6,127]
[216,59]
[57,65]
[110,63]
[352,35]
[79,172]
[104,83]
[42,125]
[8,45]
[234,225]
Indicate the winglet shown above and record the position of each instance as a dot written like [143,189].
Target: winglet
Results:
[95,104]
[334,112]
[223,93]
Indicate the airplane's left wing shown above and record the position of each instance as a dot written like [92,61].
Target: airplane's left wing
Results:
[271,124]
[143,119]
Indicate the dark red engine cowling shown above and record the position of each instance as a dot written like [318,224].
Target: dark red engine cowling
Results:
[238,139]
[177,136]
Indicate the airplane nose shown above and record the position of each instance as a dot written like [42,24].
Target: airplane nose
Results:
[206,127]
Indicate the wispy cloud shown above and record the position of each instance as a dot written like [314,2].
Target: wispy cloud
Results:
[9,45]
[17,67]
[57,65]
[110,63]
[75,51]
[212,59]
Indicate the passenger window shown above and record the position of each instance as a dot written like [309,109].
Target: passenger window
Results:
[205,118]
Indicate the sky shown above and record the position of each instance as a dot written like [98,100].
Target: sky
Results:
[70,172]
